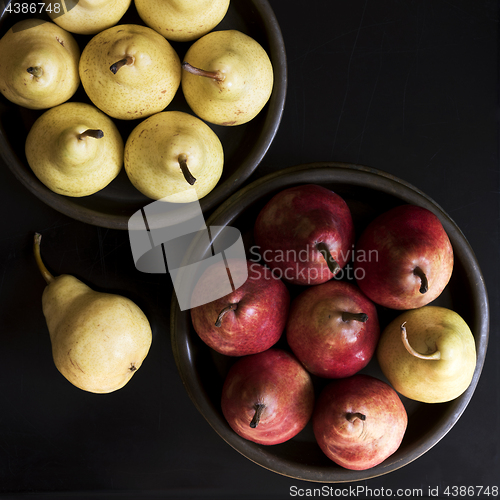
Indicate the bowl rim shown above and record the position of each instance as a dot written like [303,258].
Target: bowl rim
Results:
[357,175]
[274,112]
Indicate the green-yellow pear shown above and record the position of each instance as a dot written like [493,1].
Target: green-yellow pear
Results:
[182,20]
[38,64]
[87,17]
[428,354]
[130,71]
[174,156]
[99,340]
[74,149]
[227,77]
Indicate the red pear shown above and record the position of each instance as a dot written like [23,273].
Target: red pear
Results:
[359,421]
[305,234]
[268,397]
[404,258]
[333,329]
[248,320]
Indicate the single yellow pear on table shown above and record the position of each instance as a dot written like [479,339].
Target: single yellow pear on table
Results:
[99,340]
[130,71]
[428,354]
[74,149]
[87,17]
[182,20]
[38,64]
[174,156]
[227,78]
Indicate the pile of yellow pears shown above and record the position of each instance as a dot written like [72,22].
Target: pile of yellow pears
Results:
[129,72]
[132,72]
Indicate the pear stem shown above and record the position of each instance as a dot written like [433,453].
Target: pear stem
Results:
[122,62]
[349,316]
[96,134]
[230,307]
[404,336]
[38,258]
[259,408]
[215,75]
[185,170]
[325,251]
[351,417]
[36,71]
[423,278]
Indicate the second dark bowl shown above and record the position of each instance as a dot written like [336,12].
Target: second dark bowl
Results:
[368,192]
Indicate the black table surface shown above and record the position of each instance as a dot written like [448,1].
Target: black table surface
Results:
[408,87]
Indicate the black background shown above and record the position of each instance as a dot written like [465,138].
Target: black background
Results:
[405,86]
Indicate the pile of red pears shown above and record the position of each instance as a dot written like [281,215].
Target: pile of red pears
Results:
[329,330]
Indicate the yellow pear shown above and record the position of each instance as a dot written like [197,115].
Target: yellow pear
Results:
[174,156]
[130,71]
[38,64]
[99,340]
[87,17]
[227,77]
[182,20]
[74,149]
[428,354]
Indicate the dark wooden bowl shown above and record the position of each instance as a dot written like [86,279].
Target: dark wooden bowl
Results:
[244,145]
[368,193]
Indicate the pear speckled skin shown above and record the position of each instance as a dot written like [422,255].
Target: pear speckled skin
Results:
[89,17]
[33,43]
[328,345]
[429,328]
[391,249]
[99,340]
[276,381]
[140,88]
[70,165]
[359,421]
[248,78]
[152,157]
[182,20]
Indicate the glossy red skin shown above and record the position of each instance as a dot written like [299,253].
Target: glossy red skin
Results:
[263,302]
[326,345]
[278,380]
[359,445]
[293,221]
[403,237]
